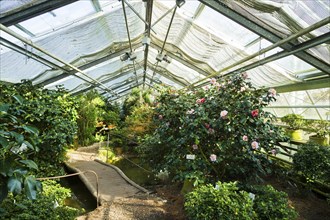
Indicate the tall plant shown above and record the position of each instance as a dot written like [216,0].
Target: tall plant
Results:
[18,141]
[89,110]
[215,132]
[53,113]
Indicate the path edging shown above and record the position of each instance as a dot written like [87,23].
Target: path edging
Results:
[82,177]
[122,174]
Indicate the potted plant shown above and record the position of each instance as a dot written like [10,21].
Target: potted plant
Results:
[322,130]
[295,123]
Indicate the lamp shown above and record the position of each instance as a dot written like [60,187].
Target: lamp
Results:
[160,57]
[124,57]
[179,3]
[131,56]
[167,59]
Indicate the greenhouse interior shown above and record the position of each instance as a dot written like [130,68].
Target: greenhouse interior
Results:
[165,109]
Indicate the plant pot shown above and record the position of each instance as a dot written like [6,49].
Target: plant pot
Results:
[323,141]
[295,135]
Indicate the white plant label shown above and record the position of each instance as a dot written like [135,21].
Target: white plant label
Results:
[190,157]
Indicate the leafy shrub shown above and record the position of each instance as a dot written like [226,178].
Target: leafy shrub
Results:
[52,112]
[48,205]
[224,201]
[18,141]
[313,162]
[270,204]
[223,126]
[89,110]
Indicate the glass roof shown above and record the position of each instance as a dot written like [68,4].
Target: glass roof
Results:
[199,39]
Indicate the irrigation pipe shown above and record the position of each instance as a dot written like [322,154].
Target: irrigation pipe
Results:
[75,174]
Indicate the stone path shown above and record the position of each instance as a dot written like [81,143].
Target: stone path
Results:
[118,197]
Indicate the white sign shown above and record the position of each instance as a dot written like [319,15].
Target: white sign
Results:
[190,157]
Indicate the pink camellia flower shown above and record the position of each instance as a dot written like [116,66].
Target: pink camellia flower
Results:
[160,117]
[200,101]
[272,92]
[191,111]
[223,114]
[243,89]
[255,145]
[255,113]
[211,131]
[195,146]
[213,157]
[245,75]
[207,126]
[274,152]
[213,81]
[245,138]
[206,87]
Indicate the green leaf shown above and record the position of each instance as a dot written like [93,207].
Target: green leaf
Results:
[14,185]
[30,163]
[3,191]
[29,145]
[19,137]
[31,129]
[30,187]
[4,107]
[19,99]
[3,141]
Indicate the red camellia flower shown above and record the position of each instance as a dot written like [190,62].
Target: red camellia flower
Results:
[200,101]
[255,113]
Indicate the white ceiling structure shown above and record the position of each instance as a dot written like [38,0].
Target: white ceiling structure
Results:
[114,46]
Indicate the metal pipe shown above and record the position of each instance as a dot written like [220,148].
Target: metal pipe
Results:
[30,43]
[147,34]
[279,43]
[128,35]
[161,50]
[132,8]
[125,16]
[36,57]
[168,30]
[159,19]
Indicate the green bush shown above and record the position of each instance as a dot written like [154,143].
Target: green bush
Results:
[18,141]
[48,205]
[224,201]
[52,112]
[313,162]
[270,204]
[89,110]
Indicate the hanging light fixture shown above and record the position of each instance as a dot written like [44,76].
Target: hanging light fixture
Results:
[179,3]
[131,56]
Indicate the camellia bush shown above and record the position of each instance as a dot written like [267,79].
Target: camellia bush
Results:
[220,131]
